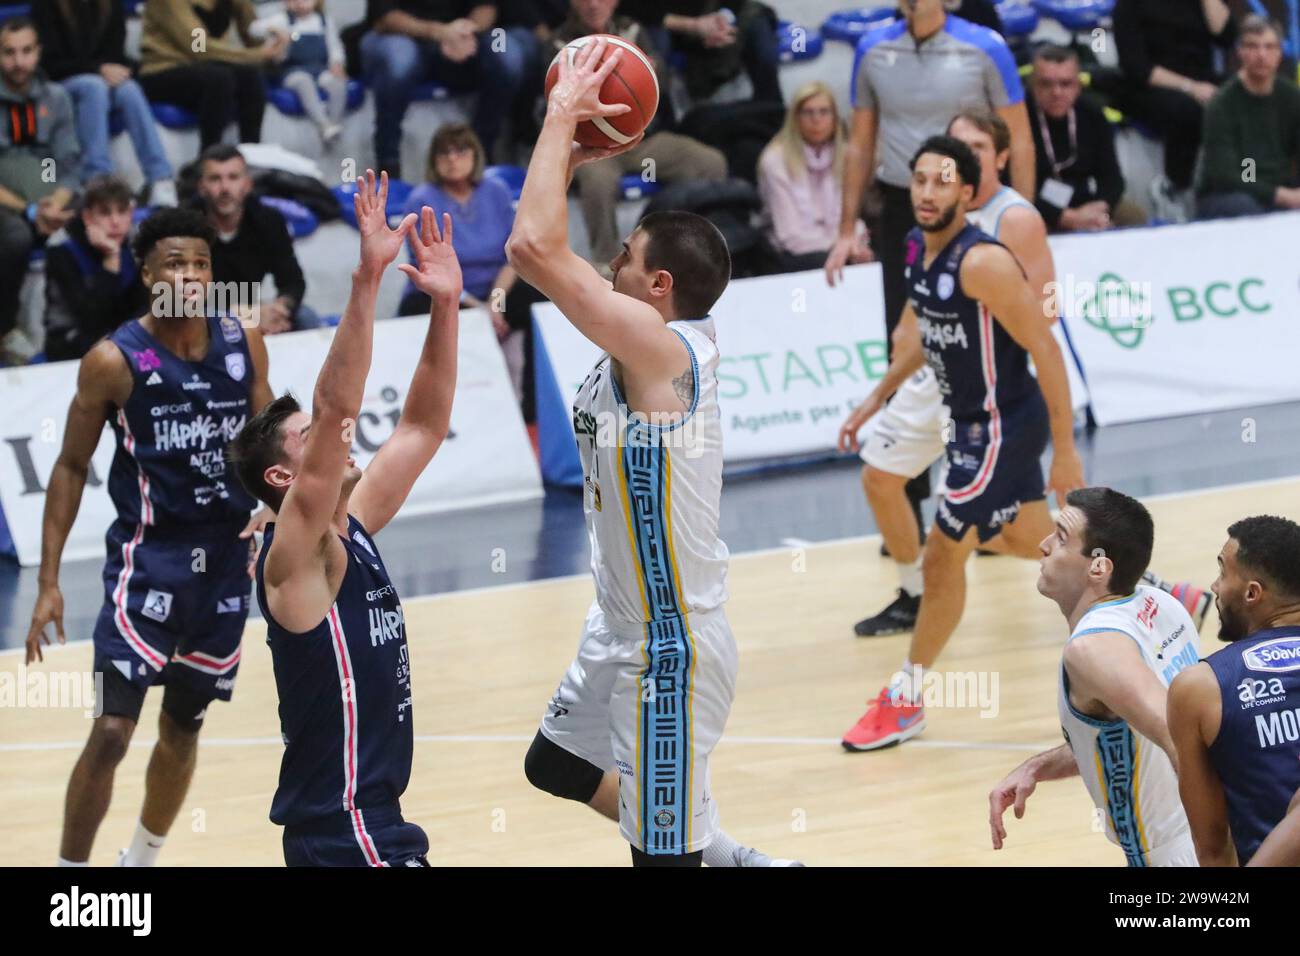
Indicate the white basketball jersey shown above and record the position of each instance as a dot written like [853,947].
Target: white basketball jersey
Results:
[988,217]
[1129,777]
[651,493]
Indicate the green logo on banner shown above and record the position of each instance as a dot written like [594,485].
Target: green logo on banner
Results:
[1115,306]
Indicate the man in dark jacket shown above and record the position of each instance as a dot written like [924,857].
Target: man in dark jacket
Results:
[92,281]
[252,240]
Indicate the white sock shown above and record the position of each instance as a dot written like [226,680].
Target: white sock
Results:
[902,687]
[63,862]
[910,577]
[722,851]
[144,848]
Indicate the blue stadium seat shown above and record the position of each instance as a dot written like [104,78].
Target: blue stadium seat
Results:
[37,359]
[302,221]
[173,116]
[511,176]
[10,10]
[809,48]
[398,192]
[287,102]
[141,214]
[332,321]
[1018,19]
[1076,15]
[848,26]
[632,186]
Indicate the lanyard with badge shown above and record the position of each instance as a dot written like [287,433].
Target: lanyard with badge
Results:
[1054,191]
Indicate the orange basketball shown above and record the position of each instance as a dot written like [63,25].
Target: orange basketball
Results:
[633,82]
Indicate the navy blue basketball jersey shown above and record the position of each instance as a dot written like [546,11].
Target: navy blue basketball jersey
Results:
[1257,752]
[345,694]
[980,368]
[170,465]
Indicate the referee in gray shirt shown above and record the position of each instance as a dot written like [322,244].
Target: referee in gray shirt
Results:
[910,78]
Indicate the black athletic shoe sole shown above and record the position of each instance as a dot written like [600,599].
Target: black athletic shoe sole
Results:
[901,629]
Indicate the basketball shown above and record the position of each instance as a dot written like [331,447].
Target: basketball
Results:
[633,82]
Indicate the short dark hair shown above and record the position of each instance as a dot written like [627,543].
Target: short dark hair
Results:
[1055,53]
[20,22]
[1118,527]
[106,190]
[1253,24]
[166,223]
[968,167]
[450,135]
[1270,547]
[692,250]
[259,445]
[220,153]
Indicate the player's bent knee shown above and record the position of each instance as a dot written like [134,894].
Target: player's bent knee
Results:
[109,739]
[184,710]
[551,768]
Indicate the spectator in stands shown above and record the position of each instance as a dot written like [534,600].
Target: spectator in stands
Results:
[482,215]
[83,48]
[252,240]
[540,17]
[1251,162]
[661,156]
[312,60]
[800,177]
[39,163]
[92,282]
[1167,58]
[221,81]
[718,38]
[451,42]
[1080,185]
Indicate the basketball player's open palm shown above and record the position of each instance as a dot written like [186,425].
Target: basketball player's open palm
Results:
[1013,791]
[380,244]
[1066,474]
[577,90]
[49,610]
[436,271]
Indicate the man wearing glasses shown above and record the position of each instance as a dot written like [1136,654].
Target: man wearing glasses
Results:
[1080,186]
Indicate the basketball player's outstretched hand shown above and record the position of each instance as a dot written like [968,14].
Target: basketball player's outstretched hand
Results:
[49,610]
[436,272]
[576,93]
[1014,790]
[379,244]
[1066,474]
[848,440]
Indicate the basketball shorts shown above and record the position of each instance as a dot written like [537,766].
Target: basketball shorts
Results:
[376,837]
[650,701]
[993,469]
[1180,852]
[906,437]
[175,602]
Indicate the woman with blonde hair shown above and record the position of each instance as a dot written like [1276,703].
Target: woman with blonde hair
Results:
[800,177]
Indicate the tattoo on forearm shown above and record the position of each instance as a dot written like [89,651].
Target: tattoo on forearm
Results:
[684,386]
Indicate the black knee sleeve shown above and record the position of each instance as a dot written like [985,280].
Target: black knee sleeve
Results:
[184,706]
[550,767]
[664,859]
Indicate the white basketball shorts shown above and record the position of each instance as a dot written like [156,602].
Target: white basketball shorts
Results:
[650,701]
[906,437]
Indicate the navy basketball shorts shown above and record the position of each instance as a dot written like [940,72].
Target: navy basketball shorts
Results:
[175,602]
[376,837]
[993,469]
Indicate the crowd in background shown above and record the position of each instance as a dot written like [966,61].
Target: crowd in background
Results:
[772,174]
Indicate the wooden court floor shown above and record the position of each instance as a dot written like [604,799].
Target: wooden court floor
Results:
[486,662]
